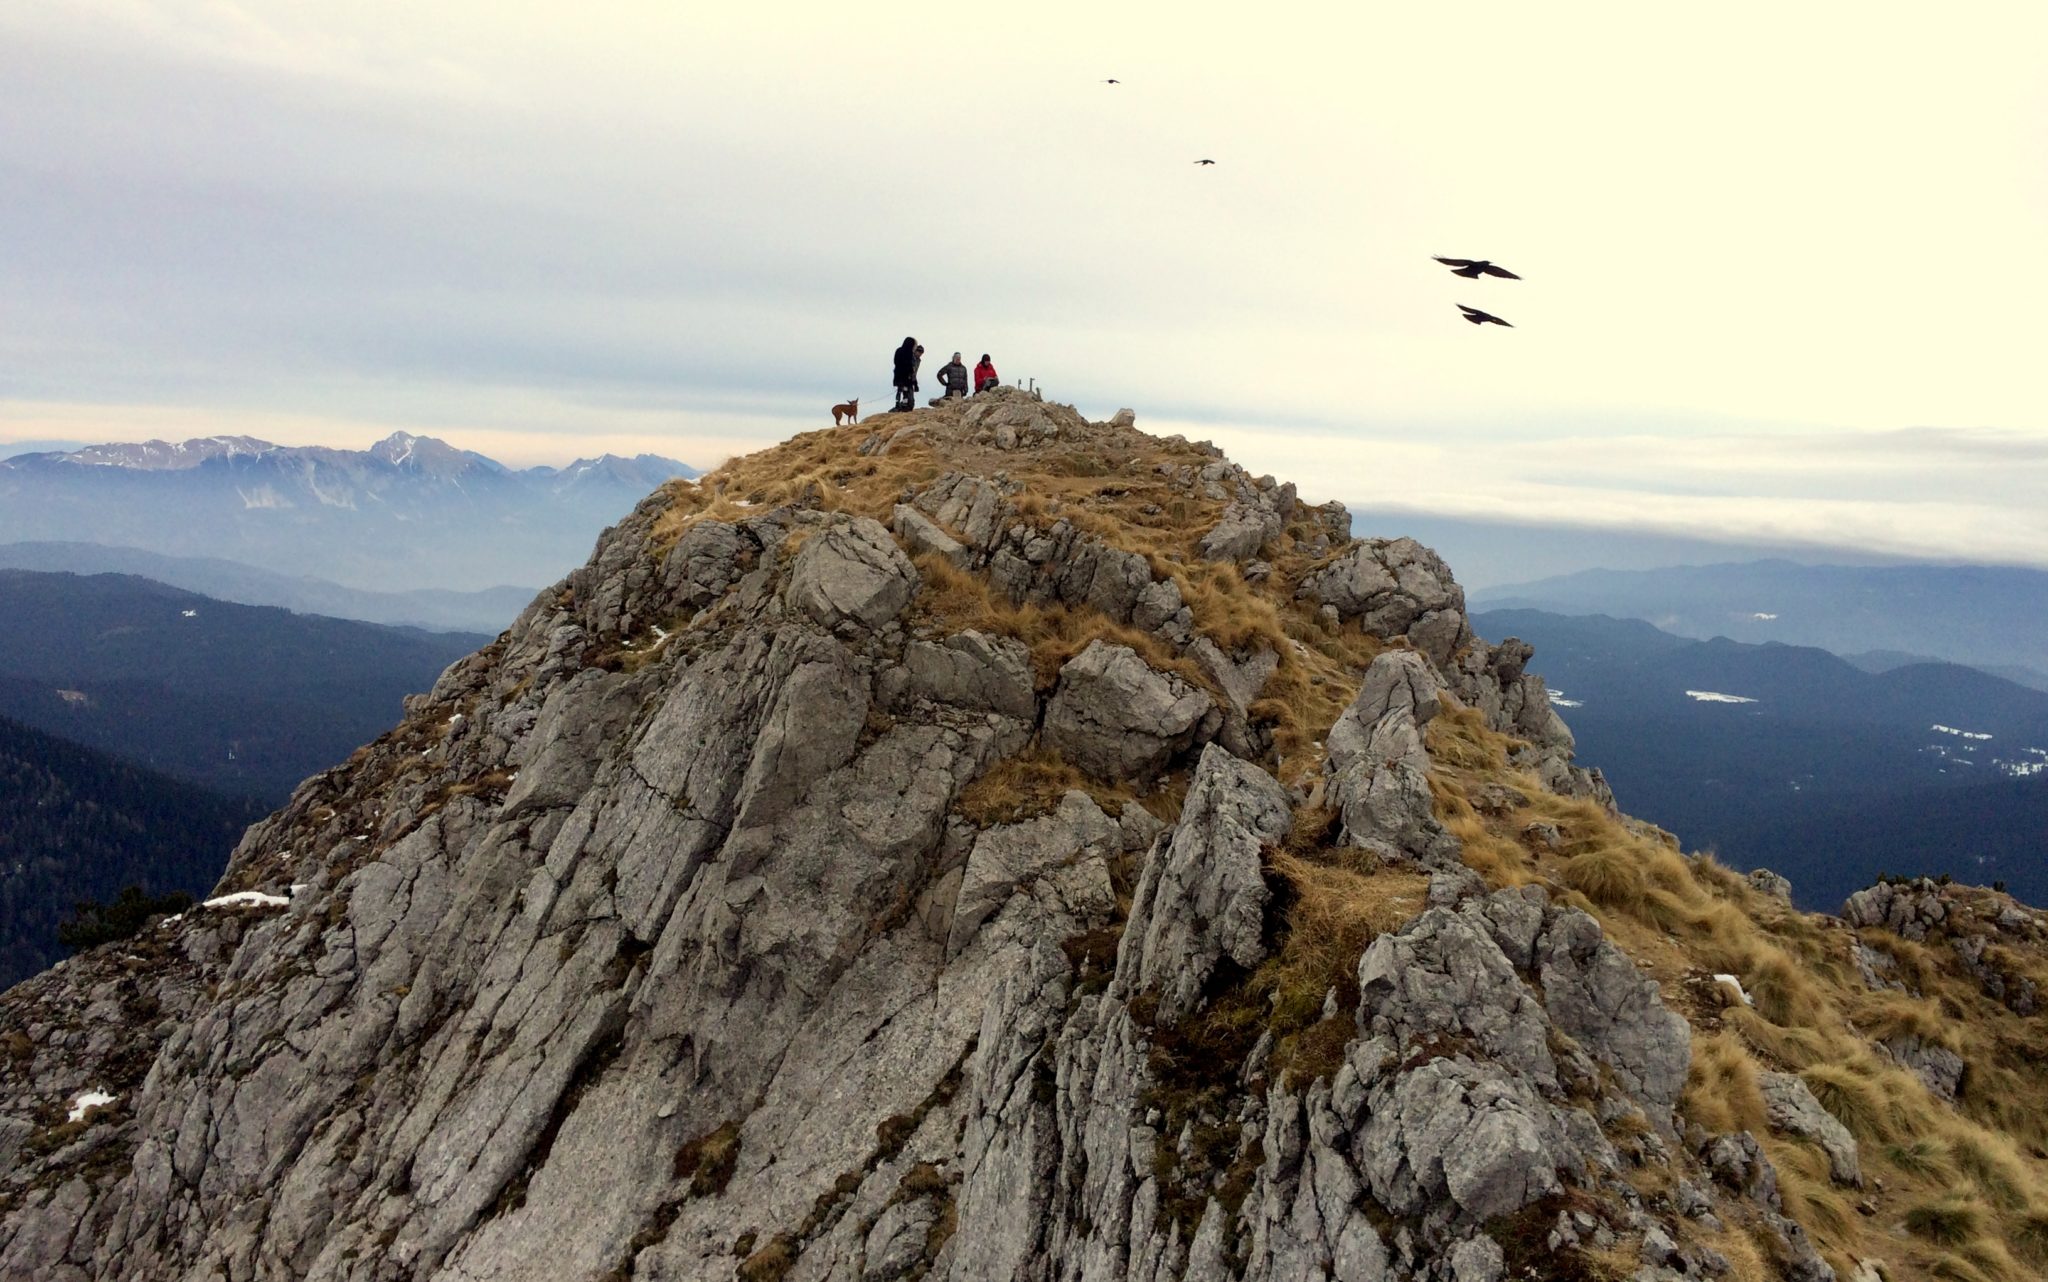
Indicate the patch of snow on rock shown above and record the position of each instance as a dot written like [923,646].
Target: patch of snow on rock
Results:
[88,1100]
[247,898]
[1735,984]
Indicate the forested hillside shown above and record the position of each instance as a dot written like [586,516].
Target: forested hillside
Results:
[76,824]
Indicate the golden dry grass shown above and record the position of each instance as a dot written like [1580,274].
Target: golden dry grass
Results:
[1968,1178]
[1028,785]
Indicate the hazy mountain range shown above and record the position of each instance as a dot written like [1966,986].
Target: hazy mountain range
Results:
[1986,616]
[487,610]
[1492,553]
[1762,752]
[243,699]
[409,512]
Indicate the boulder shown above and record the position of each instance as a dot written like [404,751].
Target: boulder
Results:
[1772,885]
[1242,531]
[1444,976]
[1940,1068]
[1794,1110]
[852,574]
[1376,771]
[1390,586]
[1597,995]
[1116,717]
[923,536]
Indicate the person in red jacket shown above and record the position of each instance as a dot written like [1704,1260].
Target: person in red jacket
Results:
[985,374]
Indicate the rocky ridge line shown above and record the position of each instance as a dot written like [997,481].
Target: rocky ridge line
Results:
[662,941]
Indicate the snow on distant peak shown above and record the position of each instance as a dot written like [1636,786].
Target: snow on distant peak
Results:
[1960,734]
[1715,696]
[1762,617]
[1557,700]
[166,456]
[396,448]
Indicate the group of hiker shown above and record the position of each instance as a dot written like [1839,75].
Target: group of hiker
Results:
[952,375]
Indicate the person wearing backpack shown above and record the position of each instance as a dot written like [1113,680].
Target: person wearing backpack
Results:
[905,375]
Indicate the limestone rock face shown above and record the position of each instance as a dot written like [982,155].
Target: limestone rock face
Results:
[741,913]
[852,573]
[1246,527]
[969,670]
[1393,587]
[1377,769]
[921,534]
[1116,716]
[1203,895]
[1794,1110]
[1940,1068]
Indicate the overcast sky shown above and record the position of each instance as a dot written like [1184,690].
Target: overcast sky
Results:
[1785,264]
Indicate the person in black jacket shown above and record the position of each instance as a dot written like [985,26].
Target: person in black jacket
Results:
[905,374]
[953,377]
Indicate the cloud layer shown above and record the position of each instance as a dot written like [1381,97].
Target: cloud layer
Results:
[1758,250]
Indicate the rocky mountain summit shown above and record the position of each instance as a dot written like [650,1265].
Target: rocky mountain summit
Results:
[981,844]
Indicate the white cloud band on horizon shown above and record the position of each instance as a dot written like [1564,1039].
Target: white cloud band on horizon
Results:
[1946,494]
[609,230]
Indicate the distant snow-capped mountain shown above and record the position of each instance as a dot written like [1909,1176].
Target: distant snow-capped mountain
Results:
[409,512]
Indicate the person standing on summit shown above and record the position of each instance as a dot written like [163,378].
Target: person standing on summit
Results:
[953,377]
[906,375]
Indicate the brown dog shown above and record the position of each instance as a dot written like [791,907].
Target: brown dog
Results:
[850,410]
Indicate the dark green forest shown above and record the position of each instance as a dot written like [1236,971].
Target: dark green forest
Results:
[76,825]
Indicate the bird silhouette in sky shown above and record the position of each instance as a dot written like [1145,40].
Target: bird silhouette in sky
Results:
[1474,268]
[1205,162]
[1478,317]
[1112,82]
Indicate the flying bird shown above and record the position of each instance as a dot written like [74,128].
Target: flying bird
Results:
[1478,317]
[1205,162]
[1112,82]
[1474,268]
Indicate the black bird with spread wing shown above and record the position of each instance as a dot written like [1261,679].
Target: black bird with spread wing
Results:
[1478,317]
[1205,162]
[1474,268]
[1112,82]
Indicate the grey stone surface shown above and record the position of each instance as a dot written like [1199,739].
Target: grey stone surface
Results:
[1392,587]
[852,574]
[633,961]
[1598,997]
[1795,1111]
[1202,898]
[923,536]
[1376,768]
[1773,884]
[1116,717]
[1243,530]
[970,670]
[1934,1064]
